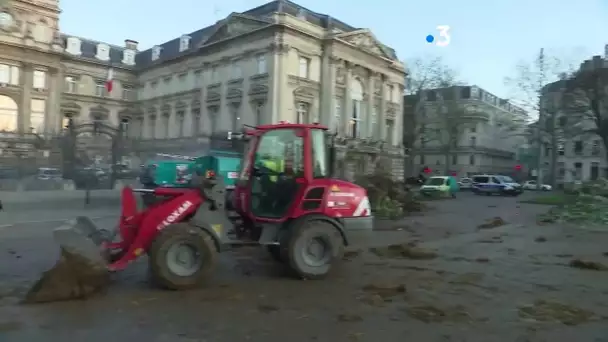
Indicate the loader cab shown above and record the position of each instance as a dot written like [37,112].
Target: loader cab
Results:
[280,160]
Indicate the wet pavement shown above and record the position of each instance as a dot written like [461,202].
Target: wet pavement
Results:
[512,282]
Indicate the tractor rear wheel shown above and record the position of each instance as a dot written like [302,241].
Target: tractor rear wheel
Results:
[181,257]
[312,247]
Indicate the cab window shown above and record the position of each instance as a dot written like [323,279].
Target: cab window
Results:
[280,151]
[320,157]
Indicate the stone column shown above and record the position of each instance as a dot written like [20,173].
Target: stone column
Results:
[399,118]
[382,110]
[27,82]
[370,105]
[348,100]
[328,88]
[53,118]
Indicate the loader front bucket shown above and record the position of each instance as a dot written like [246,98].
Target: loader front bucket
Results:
[81,270]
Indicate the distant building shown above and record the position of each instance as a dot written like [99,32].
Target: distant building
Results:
[580,155]
[488,131]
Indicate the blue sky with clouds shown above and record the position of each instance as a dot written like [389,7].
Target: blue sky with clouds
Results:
[488,37]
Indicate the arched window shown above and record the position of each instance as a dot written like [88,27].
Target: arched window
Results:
[356,92]
[9,114]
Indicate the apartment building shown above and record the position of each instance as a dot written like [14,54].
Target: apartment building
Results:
[463,130]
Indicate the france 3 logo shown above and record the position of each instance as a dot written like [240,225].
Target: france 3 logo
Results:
[444,36]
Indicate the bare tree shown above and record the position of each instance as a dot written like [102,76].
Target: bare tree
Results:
[422,74]
[528,86]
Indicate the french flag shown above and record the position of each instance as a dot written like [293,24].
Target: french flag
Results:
[110,80]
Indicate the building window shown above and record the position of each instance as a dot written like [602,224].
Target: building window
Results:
[37,114]
[578,148]
[304,70]
[198,78]
[454,159]
[374,122]
[578,171]
[595,148]
[9,74]
[422,161]
[70,85]
[561,170]
[152,128]
[465,93]
[236,71]
[472,159]
[103,52]
[156,52]
[128,93]
[259,112]
[391,93]
[100,88]
[39,79]
[431,95]
[196,122]
[561,147]
[261,64]
[235,118]
[214,74]
[595,170]
[73,46]
[473,141]
[337,117]
[213,113]
[166,125]
[474,129]
[390,131]
[184,43]
[180,119]
[422,142]
[355,116]
[128,57]
[302,113]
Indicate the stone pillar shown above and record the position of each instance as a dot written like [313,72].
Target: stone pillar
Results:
[348,100]
[328,88]
[382,109]
[27,82]
[399,117]
[370,105]
[53,119]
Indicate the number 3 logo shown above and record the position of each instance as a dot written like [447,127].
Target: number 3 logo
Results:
[444,33]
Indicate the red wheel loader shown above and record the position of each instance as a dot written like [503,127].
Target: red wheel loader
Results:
[285,199]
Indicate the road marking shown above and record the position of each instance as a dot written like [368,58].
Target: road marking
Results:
[2,226]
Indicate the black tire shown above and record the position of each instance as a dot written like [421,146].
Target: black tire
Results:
[301,233]
[195,238]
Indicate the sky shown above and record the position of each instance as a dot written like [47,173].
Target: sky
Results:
[488,37]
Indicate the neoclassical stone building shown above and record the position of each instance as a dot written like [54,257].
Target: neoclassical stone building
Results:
[276,62]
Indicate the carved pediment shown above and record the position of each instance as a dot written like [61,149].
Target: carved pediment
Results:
[365,40]
[234,25]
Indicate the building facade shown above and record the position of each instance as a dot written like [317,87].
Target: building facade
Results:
[276,62]
[463,130]
[579,154]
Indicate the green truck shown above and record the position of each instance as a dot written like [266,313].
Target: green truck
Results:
[176,170]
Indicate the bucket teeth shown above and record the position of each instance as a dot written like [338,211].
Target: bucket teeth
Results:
[81,269]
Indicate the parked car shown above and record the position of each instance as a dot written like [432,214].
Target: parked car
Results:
[49,173]
[465,183]
[441,186]
[532,185]
[495,184]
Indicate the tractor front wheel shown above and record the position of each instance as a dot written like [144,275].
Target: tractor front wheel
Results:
[313,246]
[181,257]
